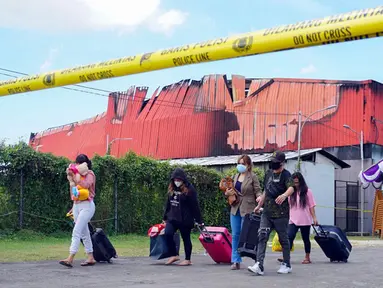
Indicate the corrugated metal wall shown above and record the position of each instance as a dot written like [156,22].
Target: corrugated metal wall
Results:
[216,116]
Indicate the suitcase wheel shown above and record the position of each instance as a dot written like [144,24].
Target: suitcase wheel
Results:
[345,260]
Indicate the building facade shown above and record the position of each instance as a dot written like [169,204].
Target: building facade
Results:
[216,116]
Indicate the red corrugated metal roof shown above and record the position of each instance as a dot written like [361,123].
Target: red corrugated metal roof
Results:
[216,116]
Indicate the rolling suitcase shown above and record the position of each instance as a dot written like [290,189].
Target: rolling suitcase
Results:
[333,242]
[217,243]
[248,239]
[103,250]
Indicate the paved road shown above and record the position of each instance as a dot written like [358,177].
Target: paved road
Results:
[364,269]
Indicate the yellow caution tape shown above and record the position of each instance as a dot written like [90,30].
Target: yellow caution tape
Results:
[355,25]
[342,208]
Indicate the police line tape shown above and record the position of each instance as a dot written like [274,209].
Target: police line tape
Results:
[355,25]
[343,208]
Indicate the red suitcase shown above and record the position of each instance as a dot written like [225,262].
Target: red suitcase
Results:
[217,243]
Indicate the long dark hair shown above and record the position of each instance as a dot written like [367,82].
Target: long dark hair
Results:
[302,193]
[172,187]
[83,158]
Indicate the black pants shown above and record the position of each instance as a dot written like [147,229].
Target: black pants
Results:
[305,232]
[170,229]
[280,225]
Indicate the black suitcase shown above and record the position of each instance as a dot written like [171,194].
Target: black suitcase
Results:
[248,239]
[334,242]
[159,249]
[103,250]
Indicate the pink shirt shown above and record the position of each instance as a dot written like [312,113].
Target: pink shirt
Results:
[302,216]
[89,183]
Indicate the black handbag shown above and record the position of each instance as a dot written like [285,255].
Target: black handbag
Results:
[159,248]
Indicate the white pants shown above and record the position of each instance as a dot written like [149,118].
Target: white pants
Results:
[82,213]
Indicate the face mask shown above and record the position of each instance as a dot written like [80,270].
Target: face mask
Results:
[275,166]
[241,168]
[178,183]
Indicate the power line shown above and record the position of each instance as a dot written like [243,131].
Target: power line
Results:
[8,75]
[67,88]
[162,102]
[77,85]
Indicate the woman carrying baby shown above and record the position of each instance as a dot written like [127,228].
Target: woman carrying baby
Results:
[82,189]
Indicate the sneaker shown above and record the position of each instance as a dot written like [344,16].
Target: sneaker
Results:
[256,269]
[284,269]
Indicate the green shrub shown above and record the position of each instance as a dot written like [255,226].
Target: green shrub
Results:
[141,184]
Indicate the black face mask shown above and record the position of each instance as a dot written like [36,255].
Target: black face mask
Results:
[275,166]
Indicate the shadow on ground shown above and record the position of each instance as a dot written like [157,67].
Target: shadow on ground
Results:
[363,270]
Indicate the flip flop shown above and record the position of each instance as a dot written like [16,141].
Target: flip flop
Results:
[88,263]
[305,261]
[66,264]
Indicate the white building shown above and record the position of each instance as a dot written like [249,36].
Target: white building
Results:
[317,166]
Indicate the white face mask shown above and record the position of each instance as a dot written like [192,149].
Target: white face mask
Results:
[178,183]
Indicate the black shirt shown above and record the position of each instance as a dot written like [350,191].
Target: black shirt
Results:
[183,208]
[238,187]
[275,185]
[175,206]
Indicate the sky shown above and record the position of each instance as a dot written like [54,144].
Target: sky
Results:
[45,35]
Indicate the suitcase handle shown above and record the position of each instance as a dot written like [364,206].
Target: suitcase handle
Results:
[205,234]
[322,232]
[255,216]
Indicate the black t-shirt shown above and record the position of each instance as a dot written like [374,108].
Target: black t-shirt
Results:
[275,185]
[175,207]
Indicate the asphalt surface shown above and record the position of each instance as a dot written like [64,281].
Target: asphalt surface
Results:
[364,269]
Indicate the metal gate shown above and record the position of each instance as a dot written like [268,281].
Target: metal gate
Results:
[347,196]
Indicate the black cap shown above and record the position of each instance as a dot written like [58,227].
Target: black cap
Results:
[278,157]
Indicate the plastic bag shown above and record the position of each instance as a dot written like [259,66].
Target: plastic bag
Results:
[276,246]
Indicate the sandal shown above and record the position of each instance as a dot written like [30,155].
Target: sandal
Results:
[88,263]
[306,261]
[66,263]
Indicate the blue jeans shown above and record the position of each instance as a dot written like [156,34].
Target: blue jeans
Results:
[236,222]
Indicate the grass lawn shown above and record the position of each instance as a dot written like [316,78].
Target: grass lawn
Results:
[29,246]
